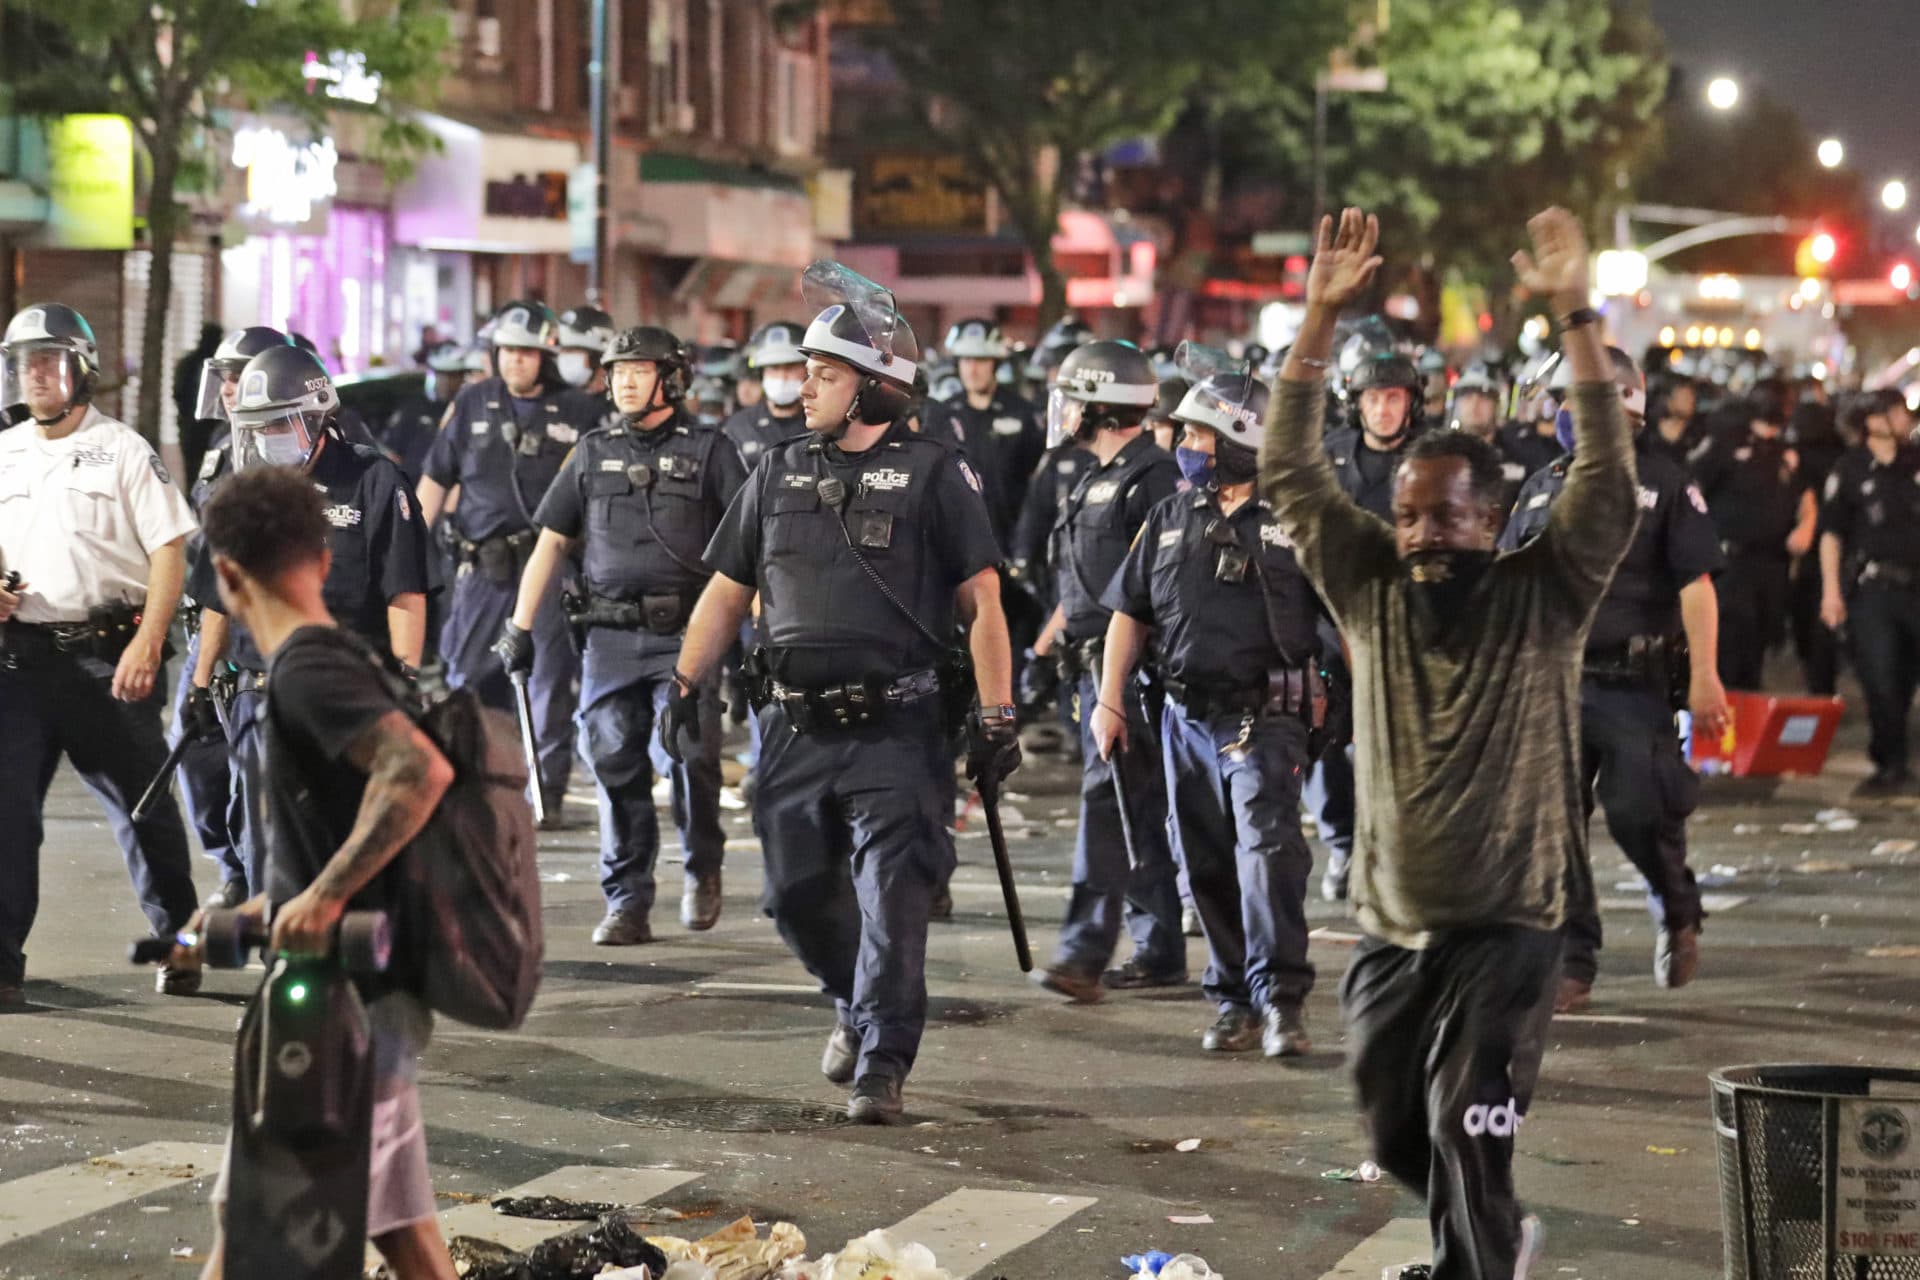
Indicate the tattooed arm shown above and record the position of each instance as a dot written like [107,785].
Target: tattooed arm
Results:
[406,776]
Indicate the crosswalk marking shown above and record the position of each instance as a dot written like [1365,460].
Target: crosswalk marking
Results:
[1713,903]
[972,1227]
[774,987]
[1401,1240]
[600,1183]
[39,1201]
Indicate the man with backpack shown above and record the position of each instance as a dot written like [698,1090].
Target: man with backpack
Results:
[351,779]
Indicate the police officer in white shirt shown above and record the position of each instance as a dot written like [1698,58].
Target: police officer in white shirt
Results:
[92,554]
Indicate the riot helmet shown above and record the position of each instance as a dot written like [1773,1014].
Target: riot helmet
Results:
[524,324]
[446,371]
[222,368]
[774,347]
[664,351]
[1626,376]
[1067,333]
[49,362]
[860,326]
[1167,400]
[1106,385]
[285,405]
[946,388]
[1229,400]
[976,339]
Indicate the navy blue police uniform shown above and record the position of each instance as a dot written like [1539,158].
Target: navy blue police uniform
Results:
[206,778]
[1004,442]
[756,429]
[1104,510]
[642,505]
[1234,625]
[1635,667]
[379,548]
[855,752]
[504,451]
[1753,487]
[1873,508]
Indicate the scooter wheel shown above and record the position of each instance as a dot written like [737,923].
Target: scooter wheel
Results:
[365,942]
[226,938]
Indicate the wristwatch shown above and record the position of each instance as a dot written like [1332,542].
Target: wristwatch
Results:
[1002,711]
[1578,318]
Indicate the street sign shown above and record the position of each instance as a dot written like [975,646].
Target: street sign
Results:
[1354,80]
[1281,244]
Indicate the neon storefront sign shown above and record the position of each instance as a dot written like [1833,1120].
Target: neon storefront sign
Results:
[285,179]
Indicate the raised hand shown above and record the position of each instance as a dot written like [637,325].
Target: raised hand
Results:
[1344,262]
[1557,267]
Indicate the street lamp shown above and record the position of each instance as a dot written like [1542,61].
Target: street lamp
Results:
[1831,153]
[1894,195]
[1722,93]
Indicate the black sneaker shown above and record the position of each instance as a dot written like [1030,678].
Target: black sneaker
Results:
[555,804]
[700,902]
[1234,1031]
[1283,1032]
[1333,887]
[875,1100]
[229,895]
[622,929]
[1408,1271]
[183,981]
[12,996]
[1076,985]
[942,908]
[1883,783]
[843,1051]
[1133,975]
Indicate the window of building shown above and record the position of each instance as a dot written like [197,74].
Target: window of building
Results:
[793,102]
[669,100]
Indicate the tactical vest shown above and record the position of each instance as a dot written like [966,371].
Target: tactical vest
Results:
[1344,451]
[1094,532]
[514,463]
[1209,558]
[622,473]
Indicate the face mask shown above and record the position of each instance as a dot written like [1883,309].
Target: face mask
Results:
[1235,465]
[575,368]
[1197,467]
[1445,578]
[781,391]
[281,449]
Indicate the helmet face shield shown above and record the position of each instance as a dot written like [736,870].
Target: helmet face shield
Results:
[283,437]
[45,377]
[219,387]
[1064,416]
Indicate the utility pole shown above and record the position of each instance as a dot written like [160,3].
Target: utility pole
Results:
[597,292]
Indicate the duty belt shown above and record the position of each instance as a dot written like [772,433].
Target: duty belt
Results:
[500,558]
[1893,575]
[1076,659]
[1767,550]
[848,706]
[103,636]
[1285,691]
[664,614]
[1659,661]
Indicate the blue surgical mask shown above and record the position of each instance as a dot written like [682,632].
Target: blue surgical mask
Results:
[1196,466]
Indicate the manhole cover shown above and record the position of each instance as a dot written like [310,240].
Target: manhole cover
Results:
[726,1115]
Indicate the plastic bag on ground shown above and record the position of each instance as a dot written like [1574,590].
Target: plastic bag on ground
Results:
[1187,1266]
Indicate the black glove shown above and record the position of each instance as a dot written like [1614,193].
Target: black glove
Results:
[680,724]
[993,746]
[514,648]
[199,721]
[1039,682]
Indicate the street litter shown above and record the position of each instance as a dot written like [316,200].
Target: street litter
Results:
[1893,953]
[736,1251]
[1665,1151]
[1894,848]
[874,1256]
[1799,828]
[1365,1171]
[1169,1266]
[1831,815]
[1191,1220]
[551,1208]
[1820,866]
[1841,824]
[1187,1144]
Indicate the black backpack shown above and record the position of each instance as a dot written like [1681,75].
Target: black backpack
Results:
[467,931]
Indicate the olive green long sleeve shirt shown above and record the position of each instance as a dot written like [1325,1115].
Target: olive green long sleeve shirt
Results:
[1466,730]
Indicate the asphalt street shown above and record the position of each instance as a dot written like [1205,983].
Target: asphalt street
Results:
[1042,1140]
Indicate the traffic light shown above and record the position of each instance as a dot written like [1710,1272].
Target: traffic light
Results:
[1815,255]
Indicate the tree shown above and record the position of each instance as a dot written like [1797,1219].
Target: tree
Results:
[1022,91]
[1493,111]
[170,64]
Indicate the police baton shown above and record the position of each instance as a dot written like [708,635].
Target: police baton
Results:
[523,709]
[164,778]
[988,788]
[1120,801]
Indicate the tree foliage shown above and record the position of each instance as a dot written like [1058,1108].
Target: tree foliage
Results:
[1493,111]
[174,65]
[1023,90]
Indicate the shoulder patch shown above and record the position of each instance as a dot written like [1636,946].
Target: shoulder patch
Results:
[972,478]
[1539,500]
[406,507]
[1649,498]
[209,464]
[1697,498]
[1833,485]
[160,471]
[1068,466]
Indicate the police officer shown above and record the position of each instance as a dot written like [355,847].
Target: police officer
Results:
[637,502]
[206,774]
[1062,337]
[585,334]
[1814,434]
[1475,409]
[1660,608]
[92,554]
[998,431]
[1384,395]
[1532,440]
[773,352]
[502,445]
[1213,580]
[412,427]
[1678,425]
[1766,516]
[1101,397]
[1870,573]
[868,545]
[1160,420]
[285,414]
